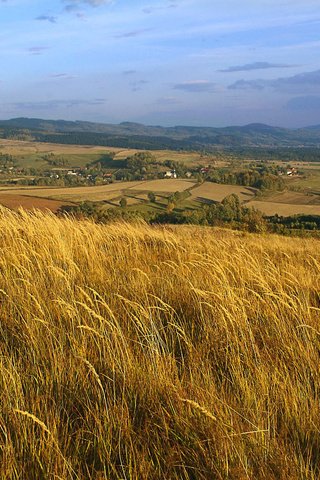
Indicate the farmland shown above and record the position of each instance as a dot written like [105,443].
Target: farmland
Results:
[75,174]
[285,204]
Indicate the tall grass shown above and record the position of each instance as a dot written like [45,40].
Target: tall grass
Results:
[140,353]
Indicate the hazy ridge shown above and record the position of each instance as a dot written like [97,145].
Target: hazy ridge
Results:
[133,134]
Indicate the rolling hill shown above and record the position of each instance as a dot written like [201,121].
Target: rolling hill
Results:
[135,135]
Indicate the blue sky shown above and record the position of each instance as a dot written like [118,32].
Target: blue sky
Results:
[165,62]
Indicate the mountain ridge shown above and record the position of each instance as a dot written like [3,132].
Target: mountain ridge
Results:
[133,133]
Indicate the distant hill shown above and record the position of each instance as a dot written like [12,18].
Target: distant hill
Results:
[136,135]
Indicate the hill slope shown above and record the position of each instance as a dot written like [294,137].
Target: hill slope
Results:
[138,135]
[156,353]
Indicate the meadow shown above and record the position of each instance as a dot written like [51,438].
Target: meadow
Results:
[149,353]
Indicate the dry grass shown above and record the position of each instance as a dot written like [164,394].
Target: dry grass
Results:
[140,353]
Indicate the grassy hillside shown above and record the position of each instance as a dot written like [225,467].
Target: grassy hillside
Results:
[140,353]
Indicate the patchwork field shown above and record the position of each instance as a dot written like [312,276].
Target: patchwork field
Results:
[284,203]
[97,193]
[302,196]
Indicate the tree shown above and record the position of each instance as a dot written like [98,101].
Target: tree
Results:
[231,207]
[255,221]
[151,197]
[123,202]
[170,207]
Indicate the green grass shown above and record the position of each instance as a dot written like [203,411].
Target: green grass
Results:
[310,182]
[36,160]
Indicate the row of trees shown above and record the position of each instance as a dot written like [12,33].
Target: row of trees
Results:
[250,178]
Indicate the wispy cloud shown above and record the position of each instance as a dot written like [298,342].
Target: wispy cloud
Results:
[129,72]
[37,50]
[133,33]
[48,18]
[301,83]
[255,66]
[62,76]
[196,86]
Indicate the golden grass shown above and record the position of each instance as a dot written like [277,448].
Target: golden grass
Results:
[151,353]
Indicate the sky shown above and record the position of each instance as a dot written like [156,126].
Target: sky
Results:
[162,62]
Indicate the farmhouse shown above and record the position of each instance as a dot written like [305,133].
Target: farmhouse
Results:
[170,174]
[291,172]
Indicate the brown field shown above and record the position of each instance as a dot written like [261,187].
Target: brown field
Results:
[217,192]
[29,203]
[284,209]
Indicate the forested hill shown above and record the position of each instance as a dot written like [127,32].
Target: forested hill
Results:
[135,135]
